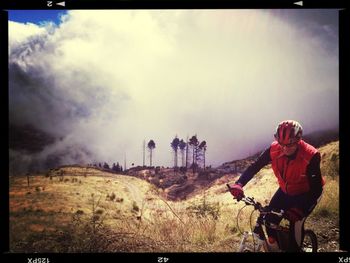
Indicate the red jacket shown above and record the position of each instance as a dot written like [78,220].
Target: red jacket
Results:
[291,174]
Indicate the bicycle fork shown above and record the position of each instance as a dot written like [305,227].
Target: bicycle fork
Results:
[257,245]
[243,241]
[259,237]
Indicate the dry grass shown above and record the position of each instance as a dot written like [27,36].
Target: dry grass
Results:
[68,216]
[94,211]
[329,203]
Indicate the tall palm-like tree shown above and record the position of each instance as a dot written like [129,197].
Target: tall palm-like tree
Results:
[151,145]
[182,146]
[175,145]
[194,143]
[203,147]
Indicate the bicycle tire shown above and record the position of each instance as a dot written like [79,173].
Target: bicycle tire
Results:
[309,243]
[250,249]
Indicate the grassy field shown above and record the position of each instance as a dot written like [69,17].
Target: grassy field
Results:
[87,210]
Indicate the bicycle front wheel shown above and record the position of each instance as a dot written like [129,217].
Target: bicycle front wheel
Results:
[309,243]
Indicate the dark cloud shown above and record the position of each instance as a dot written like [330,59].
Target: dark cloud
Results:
[322,24]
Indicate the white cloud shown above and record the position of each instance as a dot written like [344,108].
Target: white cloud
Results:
[110,79]
[19,33]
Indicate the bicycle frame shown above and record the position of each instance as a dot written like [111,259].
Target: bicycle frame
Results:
[259,235]
[260,240]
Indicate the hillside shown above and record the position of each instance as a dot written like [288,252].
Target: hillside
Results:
[83,209]
[180,186]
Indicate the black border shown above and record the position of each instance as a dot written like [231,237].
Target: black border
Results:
[177,257]
[4,184]
[344,141]
[344,44]
[161,4]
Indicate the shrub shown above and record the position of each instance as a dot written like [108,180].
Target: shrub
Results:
[99,212]
[205,209]
[135,207]
[111,197]
[79,212]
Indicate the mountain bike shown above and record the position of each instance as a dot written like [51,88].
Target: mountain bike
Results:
[253,242]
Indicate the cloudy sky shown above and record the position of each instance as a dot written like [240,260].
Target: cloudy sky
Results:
[107,80]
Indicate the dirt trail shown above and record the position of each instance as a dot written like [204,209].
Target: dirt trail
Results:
[133,190]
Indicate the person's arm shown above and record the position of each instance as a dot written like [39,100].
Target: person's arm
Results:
[313,173]
[249,173]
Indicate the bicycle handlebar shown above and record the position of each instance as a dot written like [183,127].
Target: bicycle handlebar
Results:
[258,206]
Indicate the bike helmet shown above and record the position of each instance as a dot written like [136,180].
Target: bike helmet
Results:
[288,132]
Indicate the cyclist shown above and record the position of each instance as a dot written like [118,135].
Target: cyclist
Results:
[296,164]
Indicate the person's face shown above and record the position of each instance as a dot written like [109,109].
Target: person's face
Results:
[289,149]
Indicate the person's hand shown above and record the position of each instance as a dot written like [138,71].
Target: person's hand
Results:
[237,191]
[294,214]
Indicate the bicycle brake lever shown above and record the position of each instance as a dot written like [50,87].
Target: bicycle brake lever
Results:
[249,200]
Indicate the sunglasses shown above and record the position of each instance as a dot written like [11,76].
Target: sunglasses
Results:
[289,145]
